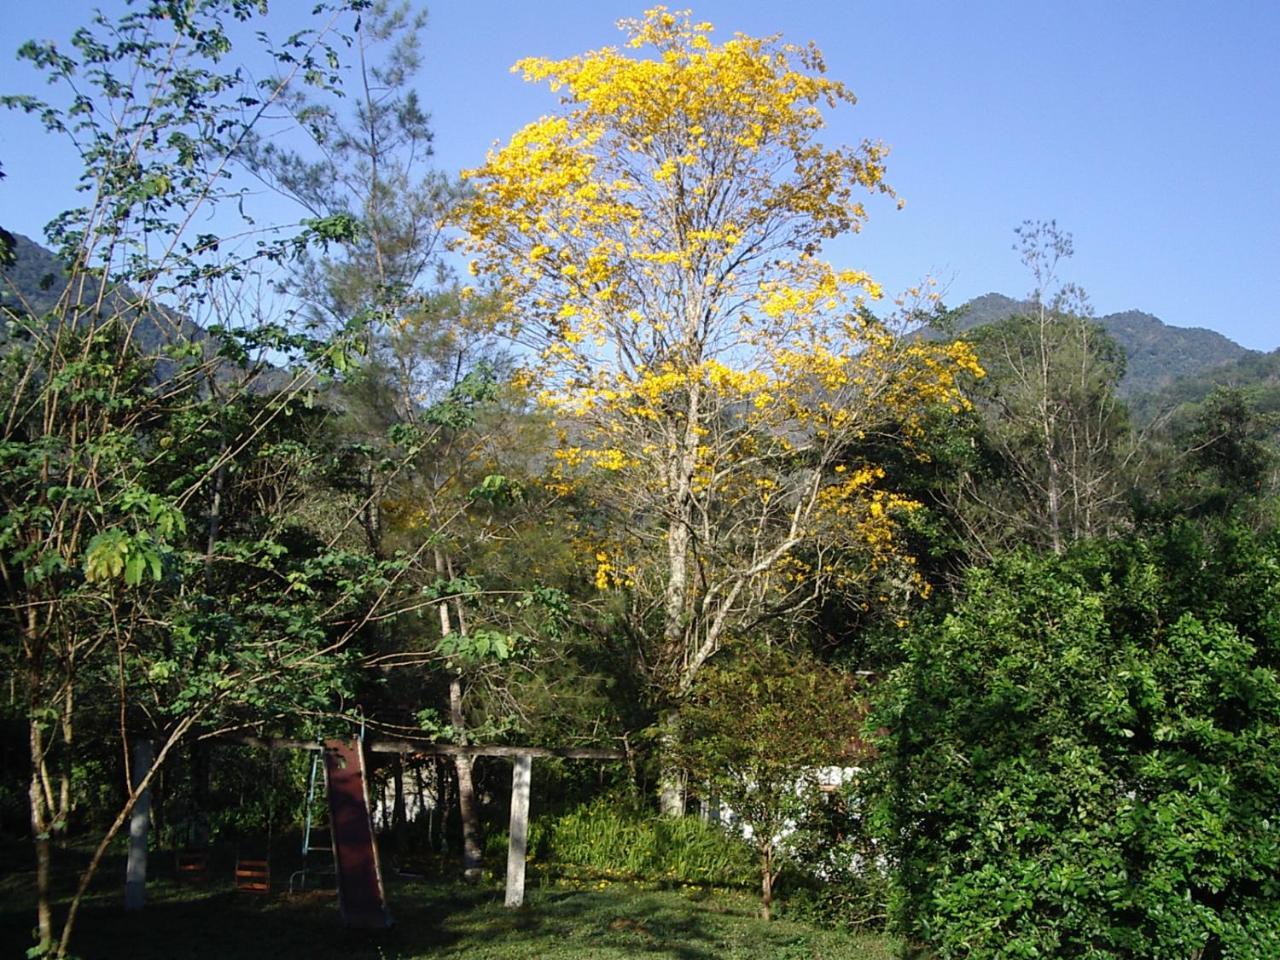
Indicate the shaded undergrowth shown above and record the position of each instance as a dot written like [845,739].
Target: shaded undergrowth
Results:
[600,921]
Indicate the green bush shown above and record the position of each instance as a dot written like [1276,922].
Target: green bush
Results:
[1082,761]
[607,840]
[836,875]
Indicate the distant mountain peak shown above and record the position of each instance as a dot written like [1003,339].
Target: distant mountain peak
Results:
[1157,353]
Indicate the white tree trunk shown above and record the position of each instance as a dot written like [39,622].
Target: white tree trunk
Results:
[135,877]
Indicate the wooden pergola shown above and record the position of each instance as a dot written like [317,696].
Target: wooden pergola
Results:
[522,757]
[521,778]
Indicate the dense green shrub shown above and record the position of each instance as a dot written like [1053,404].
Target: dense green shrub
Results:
[610,840]
[1082,757]
[836,876]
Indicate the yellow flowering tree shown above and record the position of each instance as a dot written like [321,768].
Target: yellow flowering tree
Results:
[658,242]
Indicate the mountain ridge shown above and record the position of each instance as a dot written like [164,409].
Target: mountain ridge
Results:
[1158,354]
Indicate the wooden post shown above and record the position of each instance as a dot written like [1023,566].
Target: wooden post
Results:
[520,777]
[135,877]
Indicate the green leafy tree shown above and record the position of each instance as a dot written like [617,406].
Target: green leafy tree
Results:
[408,416]
[1229,457]
[756,730]
[148,561]
[1078,758]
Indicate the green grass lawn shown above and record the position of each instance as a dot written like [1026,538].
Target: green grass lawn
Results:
[436,920]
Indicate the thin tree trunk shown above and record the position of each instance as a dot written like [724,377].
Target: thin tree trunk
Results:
[1048,425]
[44,818]
[1055,493]
[766,884]
[63,817]
[670,779]
[135,884]
[40,834]
[675,601]
[472,856]
[44,915]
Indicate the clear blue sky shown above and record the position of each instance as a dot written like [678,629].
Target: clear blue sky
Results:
[1150,130]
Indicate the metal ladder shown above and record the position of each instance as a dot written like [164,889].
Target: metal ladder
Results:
[309,846]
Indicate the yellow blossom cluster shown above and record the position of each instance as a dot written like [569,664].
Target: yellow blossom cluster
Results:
[632,199]
[611,574]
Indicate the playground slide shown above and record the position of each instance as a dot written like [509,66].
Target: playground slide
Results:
[355,851]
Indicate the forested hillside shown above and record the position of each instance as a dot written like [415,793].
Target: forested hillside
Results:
[1255,375]
[1165,367]
[1156,354]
